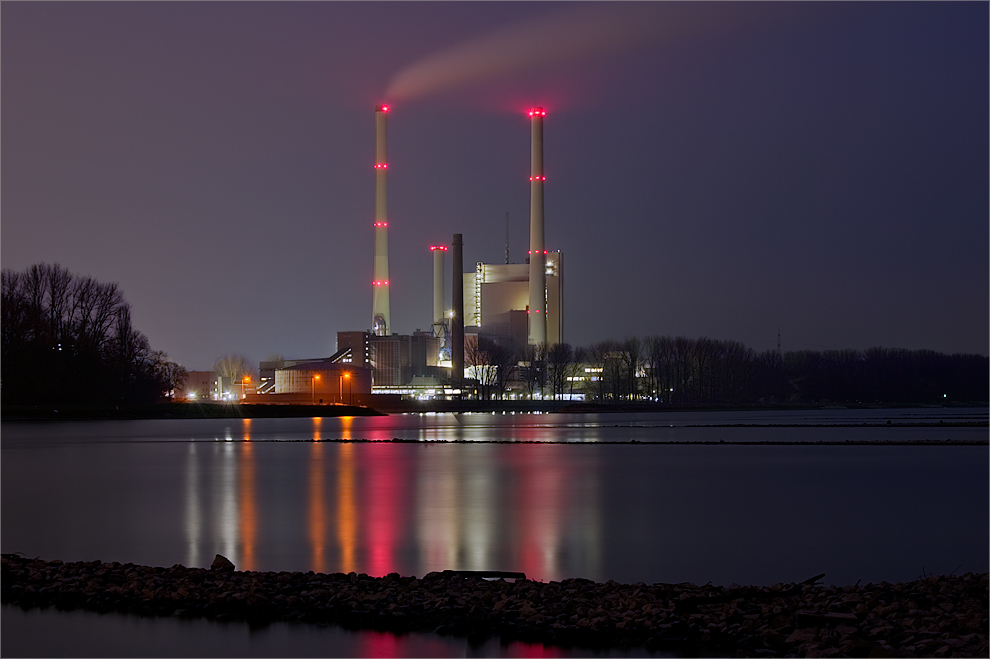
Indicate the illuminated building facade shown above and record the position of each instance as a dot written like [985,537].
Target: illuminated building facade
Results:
[497,296]
[397,361]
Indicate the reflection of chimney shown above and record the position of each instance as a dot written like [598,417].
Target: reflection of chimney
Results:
[457,319]
[537,253]
[381,321]
[439,251]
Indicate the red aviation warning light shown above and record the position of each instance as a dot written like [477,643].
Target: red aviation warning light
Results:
[436,247]
[381,165]
[537,112]
[381,108]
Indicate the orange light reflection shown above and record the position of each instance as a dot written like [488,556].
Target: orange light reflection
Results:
[346,517]
[248,509]
[317,511]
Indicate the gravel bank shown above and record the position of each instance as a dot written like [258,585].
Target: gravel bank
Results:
[935,616]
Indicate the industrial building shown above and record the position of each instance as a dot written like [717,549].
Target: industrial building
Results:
[329,381]
[497,296]
[517,304]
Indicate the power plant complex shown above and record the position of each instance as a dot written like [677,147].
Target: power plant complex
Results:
[513,305]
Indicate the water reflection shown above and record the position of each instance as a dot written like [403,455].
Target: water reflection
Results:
[346,515]
[317,510]
[194,520]
[391,507]
[248,505]
[386,500]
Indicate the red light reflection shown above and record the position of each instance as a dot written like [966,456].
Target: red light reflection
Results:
[384,505]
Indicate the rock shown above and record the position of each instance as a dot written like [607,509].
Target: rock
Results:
[222,564]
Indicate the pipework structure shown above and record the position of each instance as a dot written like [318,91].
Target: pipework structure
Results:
[439,252]
[381,322]
[537,250]
[441,326]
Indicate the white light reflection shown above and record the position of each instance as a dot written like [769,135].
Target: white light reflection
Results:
[437,508]
[225,510]
[194,520]
[479,514]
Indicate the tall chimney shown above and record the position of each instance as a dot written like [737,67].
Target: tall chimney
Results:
[381,323]
[457,318]
[537,252]
[439,251]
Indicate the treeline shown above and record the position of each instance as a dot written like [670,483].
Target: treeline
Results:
[703,371]
[69,340]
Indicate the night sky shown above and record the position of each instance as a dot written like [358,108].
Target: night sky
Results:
[712,170]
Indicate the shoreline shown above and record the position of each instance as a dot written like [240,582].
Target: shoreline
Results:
[932,616]
[50,412]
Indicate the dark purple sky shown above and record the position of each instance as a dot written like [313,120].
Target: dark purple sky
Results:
[716,170]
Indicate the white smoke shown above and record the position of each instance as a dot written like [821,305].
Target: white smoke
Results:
[588,30]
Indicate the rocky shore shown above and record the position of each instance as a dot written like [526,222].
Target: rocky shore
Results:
[937,616]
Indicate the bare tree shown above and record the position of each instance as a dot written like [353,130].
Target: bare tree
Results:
[630,356]
[171,375]
[70,339]
[560,358]
[534,359]
[493,365]
[598,355]
[232,366]
[476,358]
[504,359]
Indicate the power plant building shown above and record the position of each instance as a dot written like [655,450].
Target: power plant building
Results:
[394,361]
[497,297]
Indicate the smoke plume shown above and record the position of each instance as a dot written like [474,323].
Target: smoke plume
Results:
[589,30]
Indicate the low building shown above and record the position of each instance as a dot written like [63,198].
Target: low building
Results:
[314,382]
[199,385]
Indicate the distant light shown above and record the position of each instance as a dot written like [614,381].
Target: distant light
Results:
[381,165]
[381,224]
[382,108]
[440,247]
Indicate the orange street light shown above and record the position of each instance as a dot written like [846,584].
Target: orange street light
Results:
[315,378]
[350,399]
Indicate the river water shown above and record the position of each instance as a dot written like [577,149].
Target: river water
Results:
[551,495]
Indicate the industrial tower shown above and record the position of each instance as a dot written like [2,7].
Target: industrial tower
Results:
[537,251]
[381,323]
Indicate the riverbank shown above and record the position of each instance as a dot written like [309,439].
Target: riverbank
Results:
[391,405]
[933,616]
[177,411]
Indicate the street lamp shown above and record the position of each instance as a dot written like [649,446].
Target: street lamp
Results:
[350,400]
[244,384]
[315,378]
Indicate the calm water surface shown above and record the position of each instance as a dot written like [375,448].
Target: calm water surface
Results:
[164,492]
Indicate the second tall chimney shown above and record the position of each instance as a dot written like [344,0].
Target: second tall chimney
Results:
[537,251]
